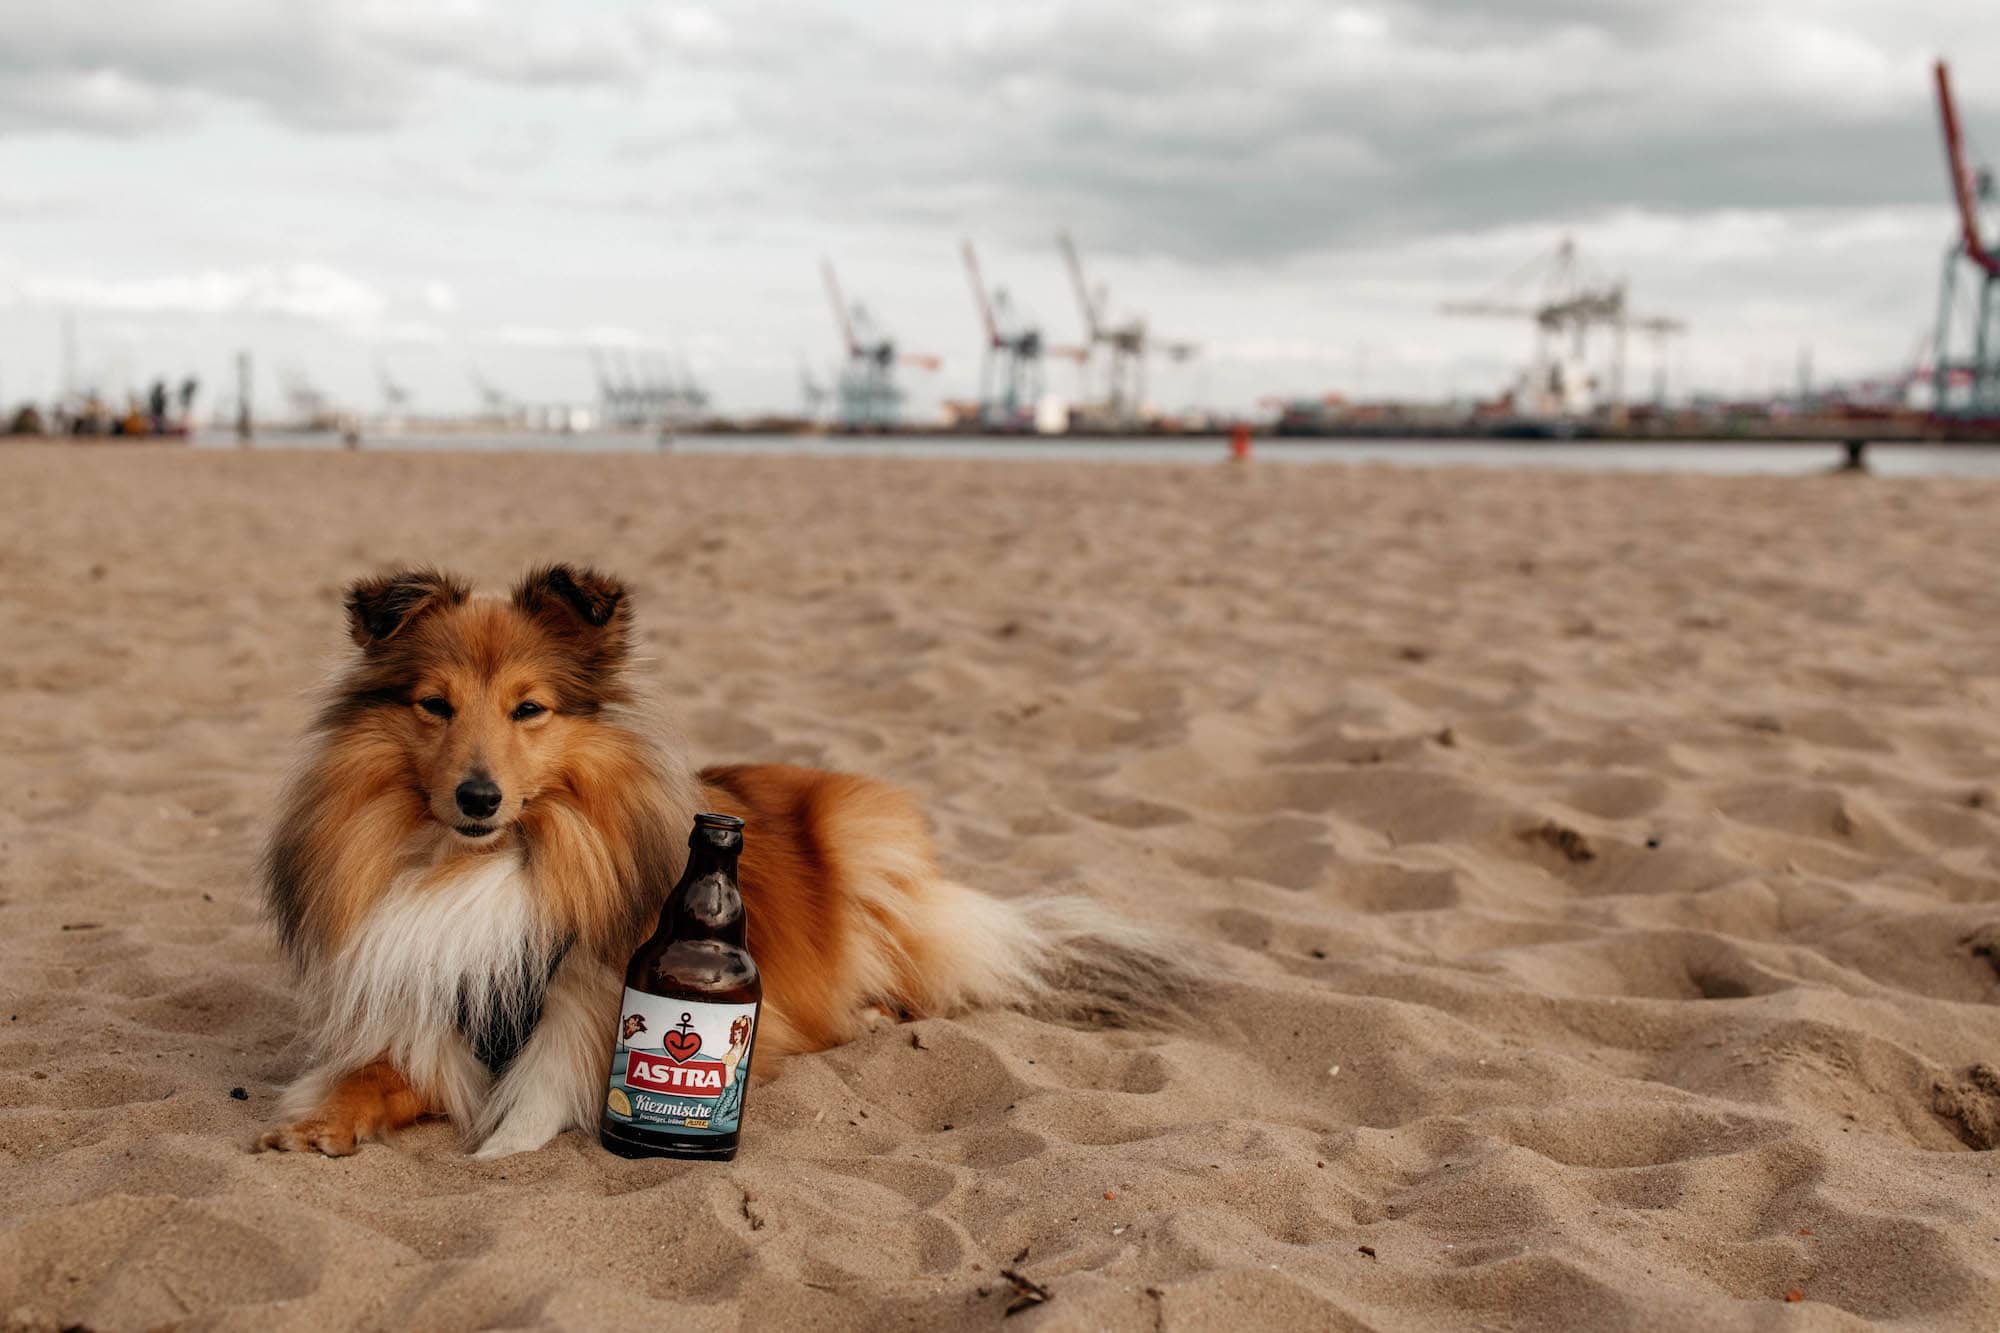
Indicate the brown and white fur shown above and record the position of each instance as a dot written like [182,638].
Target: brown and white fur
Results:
[469,963]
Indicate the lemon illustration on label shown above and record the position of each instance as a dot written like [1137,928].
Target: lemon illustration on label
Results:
[619,1103]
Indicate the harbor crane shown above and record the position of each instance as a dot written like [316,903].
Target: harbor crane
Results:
[637,391]
[395,396]
[1010,372]
[869,397]
[310,407]
[492,399]
[1570,303]
[1975,260]
[1129,343]
[813,392]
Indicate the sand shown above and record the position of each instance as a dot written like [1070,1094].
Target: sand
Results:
[1601,869]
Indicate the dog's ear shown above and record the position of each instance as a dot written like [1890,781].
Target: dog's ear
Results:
[379,608]
[557,594]
[589,615]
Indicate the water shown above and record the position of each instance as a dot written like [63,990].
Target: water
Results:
[1718,457]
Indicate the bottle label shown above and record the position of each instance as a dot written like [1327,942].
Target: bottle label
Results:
[680,1065]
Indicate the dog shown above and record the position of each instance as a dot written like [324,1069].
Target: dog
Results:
[483,829]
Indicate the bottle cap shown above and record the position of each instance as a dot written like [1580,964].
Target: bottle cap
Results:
[722,832]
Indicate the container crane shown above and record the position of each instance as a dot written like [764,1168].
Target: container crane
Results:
[869,397]
[1129,343]
[1976,367]
[492,399]
[1010,372]
[395,396]
[638,390]
[1571,303]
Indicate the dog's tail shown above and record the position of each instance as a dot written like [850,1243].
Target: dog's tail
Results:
[1064,958]
[931,946]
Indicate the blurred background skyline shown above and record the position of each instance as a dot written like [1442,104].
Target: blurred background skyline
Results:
[478,192]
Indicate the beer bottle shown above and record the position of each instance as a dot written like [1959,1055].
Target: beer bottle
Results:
[690,1014]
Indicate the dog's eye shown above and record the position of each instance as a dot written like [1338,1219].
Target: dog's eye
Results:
[527,709]
[436,706]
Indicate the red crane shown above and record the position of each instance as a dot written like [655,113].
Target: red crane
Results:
[1010,372]
[1965,374]
[1964,186]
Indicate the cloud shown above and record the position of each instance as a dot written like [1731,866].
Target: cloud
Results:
[602,336]
[1265,128]
[1208,130]
[129,67]
[311,292]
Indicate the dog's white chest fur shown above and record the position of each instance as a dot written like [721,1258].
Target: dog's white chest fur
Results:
[438,957]
[436,953]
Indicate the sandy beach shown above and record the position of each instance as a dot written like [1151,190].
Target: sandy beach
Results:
[1601,873]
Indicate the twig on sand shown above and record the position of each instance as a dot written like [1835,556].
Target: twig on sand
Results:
[1573,846]
[1028,1293]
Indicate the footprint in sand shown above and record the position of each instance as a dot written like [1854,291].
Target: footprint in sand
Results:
[1130,812]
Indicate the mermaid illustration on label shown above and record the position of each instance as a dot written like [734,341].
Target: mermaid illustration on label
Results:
[730,1103]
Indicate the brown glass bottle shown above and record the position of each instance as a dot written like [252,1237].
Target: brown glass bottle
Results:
[689,1019]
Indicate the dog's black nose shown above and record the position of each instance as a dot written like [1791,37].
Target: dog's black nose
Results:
[478,797]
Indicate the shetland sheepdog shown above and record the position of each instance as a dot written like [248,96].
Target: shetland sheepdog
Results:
[485,825]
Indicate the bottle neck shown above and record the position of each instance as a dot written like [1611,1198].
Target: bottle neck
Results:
[705,858]
[706,904]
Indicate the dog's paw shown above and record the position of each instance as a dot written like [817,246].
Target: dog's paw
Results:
[505,1142]
[320,1136]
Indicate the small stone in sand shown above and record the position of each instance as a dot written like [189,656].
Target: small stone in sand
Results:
[239,1094]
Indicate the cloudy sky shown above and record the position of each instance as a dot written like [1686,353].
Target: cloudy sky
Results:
[487,188]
